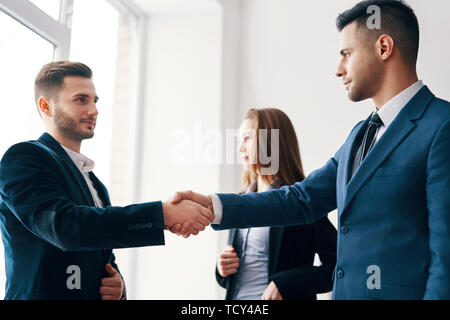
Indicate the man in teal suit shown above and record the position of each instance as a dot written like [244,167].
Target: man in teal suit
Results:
[57,222]
[390,181]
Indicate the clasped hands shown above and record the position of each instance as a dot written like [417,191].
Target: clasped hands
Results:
[188,213]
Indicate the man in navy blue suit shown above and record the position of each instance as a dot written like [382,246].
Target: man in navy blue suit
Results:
[390,180]
[57,222]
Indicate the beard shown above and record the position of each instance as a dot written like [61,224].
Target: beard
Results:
[368,82]
[69,127]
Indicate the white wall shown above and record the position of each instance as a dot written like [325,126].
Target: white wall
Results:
[289,55]
[182,92]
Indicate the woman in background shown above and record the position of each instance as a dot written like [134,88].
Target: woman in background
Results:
[275,263]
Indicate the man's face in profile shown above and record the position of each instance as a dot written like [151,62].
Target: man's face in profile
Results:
[75,111]
[359,67]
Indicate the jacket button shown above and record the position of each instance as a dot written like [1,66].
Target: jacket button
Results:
[344,229]
[340,273]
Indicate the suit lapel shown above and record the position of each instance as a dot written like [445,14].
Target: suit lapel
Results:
[54,145]
[399,129]
[275,238]
[231,237]
[81,181]
[345,162]
[354,146]
[101,190]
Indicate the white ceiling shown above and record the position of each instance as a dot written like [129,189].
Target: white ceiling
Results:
[176,6]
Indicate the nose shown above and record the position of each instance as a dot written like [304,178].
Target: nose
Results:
[241,147]
[340,72]
[93,111]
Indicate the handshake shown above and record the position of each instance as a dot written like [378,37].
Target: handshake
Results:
[187,213]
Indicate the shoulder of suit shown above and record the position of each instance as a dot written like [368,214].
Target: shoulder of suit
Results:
[436,115]
[32,147]
[440,106]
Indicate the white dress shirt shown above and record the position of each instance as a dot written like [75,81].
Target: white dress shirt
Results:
[85,165]
[392,108]
[252,276]
[387,114]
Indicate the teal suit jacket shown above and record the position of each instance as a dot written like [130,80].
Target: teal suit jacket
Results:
[393,214]
[49,222]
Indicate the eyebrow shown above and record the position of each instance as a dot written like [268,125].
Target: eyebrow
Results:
[83,95]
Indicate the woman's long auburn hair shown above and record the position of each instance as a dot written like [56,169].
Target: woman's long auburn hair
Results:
[290,163]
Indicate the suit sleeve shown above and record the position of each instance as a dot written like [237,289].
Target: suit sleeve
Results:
[311,280]
[34,192]
[302,203]
[438,203]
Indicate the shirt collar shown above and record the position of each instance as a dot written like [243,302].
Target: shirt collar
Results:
[81,161]
[393,107]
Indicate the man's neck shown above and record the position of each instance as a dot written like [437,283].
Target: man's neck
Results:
[392,88]
[66,142]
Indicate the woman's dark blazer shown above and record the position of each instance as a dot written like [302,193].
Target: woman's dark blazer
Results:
[291,257]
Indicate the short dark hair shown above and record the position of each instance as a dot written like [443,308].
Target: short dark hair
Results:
[50,78]
[397,19]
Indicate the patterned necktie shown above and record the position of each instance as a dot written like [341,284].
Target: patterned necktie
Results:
[368,140]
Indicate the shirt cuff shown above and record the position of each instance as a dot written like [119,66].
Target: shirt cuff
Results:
[217,207]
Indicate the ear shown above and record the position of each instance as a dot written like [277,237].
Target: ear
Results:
[44,106]
[385,47]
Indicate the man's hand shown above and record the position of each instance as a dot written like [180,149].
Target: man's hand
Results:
[186,229]
[186,214]
[193,196]
[228,262]
[271,292]
[111,288]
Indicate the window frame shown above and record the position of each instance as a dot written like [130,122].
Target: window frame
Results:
[32,17]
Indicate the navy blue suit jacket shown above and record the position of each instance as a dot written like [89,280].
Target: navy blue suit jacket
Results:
[49,222]
[393,214]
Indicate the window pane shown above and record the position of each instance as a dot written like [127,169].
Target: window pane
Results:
[50,7]
[22,54]
[96,44]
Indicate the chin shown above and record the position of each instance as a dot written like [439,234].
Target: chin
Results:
[356,96]
[88,135]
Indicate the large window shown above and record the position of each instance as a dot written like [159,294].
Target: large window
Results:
[22,53]
[103,34]
[95,44]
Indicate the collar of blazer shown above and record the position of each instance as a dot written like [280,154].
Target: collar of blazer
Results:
[50,142]
[401,127]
